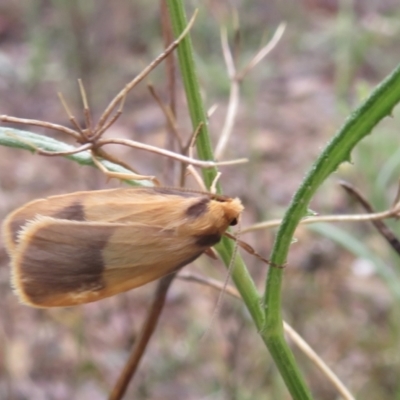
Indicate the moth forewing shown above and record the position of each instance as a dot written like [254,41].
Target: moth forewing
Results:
[164,206]
[85,246]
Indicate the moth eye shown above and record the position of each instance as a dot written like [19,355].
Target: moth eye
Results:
[234,222]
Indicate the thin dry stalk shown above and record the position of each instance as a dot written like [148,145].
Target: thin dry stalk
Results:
[392,213]
[236,79]
[263,52]
[42,124]
[167,153]
[169,116]
[144,73]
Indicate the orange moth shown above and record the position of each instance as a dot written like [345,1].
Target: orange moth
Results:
[82,247]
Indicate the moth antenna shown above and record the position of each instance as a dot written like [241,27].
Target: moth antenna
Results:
[225,285]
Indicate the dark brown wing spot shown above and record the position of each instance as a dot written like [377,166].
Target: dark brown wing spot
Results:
[198,209]
[208,240]
[73,212]
[55,263]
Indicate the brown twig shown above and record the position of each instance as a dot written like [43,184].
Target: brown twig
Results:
[144,73]
[42,124]
[147,331]
[381,227]
[169,116]
[89,137]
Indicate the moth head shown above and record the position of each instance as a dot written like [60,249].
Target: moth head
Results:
[233,209]
[212,214]
[227,211]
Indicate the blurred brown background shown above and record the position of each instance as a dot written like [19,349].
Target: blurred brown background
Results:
[331,55]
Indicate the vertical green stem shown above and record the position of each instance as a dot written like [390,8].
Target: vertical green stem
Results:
[240,275]
[192,88]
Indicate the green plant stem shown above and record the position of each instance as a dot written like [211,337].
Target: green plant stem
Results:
[240,275]
[378,105]
[198,116]
[192,88]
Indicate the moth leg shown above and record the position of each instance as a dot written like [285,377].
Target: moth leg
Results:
[245,246]
[210,252]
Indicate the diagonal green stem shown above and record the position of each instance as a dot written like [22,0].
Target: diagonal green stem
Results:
[378,105]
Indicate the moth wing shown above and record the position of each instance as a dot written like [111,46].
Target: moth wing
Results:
[62,263]
[123,205]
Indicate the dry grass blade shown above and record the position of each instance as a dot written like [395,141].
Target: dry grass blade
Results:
[233,103]
[263,52]
[236,79]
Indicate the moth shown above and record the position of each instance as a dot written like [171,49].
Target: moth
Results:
[85,246]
